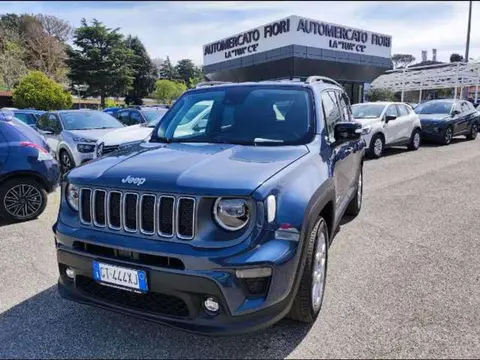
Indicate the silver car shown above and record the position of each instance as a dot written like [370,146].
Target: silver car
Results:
[72,134]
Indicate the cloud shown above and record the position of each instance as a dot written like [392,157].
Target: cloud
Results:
[179,29]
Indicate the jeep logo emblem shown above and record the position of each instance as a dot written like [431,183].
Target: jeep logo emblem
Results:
[133,180]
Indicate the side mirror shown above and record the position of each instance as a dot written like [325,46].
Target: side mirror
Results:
[346,131]
[455,112]
[390,118]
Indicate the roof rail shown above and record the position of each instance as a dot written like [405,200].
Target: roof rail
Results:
[211,83]
[324,79]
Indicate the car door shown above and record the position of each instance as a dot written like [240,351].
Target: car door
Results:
[136,117]
[392,128]
[52,132]
[4,150]
[465,118]
[340,161]
[404,122]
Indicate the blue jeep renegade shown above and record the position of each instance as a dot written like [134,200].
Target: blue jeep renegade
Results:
[221,221]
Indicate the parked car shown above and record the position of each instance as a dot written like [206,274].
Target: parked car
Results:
[128,135]
[72,134]
[140,115]
[27,171]
[112,111]
[222,230]
[386,124]
[28,116]
[442,120]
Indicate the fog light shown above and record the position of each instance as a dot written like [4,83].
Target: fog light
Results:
[253,273]
[70,272]
[211,304]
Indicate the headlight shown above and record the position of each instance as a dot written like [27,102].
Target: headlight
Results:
[366,130]
[231,214]
[86,148]
[72,195]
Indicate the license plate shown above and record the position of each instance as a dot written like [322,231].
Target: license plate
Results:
[120,276]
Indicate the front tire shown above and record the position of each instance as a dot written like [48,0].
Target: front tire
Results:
[309,297]
[473,132]
[66,162]
[414,142]
[447,136]
[22,199]
[376,146]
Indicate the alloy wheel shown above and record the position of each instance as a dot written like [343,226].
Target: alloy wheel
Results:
[416,140]
[378,147]
[448,136]
[359,190]
[66,162]
[22,201]
[318,271]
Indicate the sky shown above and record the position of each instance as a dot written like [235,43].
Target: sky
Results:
[179,29]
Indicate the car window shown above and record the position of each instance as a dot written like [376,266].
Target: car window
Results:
[465,107]
[331,112]
[391,111]
[135,118]
[402,110]
[240,115]
[344,101]
[434,107]
[54,124]
[367,111]
[28,119]
[124,117]
[42,122]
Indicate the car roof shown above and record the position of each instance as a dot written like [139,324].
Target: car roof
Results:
[28,111]
[274,83]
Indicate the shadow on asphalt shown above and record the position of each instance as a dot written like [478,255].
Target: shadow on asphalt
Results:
[47,326]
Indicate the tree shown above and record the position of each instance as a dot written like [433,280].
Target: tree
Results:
[101,60]
[402,60]
[55,27]
[380,95]
[167,70]
[186,70]
[197,78]
[36,90]
[456,58]
[144,72]
[168,90]
[12,67]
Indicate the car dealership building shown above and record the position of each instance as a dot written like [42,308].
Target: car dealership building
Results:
[297,47]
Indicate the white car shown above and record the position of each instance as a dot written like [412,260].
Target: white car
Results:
[130,135]
[386,124]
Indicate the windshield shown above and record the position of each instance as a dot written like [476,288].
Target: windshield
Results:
[434,107]
[367,111]
[245,115]
[153,114]
[87,120]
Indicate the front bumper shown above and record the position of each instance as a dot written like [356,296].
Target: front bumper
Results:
[176,296]
[82,158]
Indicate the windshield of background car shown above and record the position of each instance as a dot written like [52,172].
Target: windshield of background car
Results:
[434,107]
[152,115]
[88,120]
[240,115]
[158,116]
[367,111]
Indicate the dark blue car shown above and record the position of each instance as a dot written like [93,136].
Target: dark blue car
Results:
[220,226]
[442,120]
[27,171]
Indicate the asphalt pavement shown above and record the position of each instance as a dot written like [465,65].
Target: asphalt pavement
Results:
[403,280]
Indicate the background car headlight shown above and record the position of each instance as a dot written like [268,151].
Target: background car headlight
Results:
[86,148]
[366,130]
[72,194]
[83,140]
[231,214]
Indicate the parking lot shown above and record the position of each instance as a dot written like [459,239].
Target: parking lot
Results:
[403,280]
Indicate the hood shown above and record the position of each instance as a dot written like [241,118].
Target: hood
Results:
[125,135]
[93,134]
[431,118]
[206,169]
[366,122]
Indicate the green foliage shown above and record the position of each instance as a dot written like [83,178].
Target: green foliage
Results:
[37,91]
[168,90]
[402,60]
[167,70]
[380,95]
[12,67]
[102,61]
[110,103]
[456,58]
[144,72]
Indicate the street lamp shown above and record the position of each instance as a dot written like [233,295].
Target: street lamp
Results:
[80,88]
[468,30]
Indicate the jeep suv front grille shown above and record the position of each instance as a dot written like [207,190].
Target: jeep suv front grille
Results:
[148,214]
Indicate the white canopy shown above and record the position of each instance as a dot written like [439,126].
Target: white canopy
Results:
[438,76]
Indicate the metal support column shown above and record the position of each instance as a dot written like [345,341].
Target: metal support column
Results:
[456,83]
[476,85]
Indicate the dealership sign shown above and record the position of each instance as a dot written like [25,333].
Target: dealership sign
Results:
[296,30]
